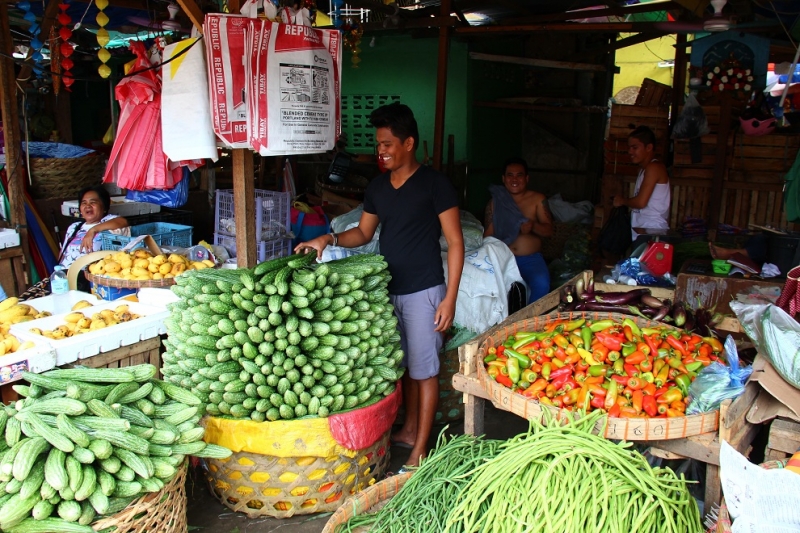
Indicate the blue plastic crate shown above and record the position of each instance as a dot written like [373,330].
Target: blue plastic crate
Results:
[164,233]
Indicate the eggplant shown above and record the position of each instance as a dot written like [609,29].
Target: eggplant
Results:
[590,285]
[579,288]
[626,298]
[661,313]
[651,301]
[604,307]
[679,314]
[689,321]
[566,294]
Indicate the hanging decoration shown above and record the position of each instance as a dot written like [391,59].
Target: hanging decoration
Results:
[34,30]
[351,35]
[337,13]
[65,49]
[102,38]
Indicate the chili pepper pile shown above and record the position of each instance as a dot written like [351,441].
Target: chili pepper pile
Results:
[619,367]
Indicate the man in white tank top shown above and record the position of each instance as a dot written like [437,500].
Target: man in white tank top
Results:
[650,203]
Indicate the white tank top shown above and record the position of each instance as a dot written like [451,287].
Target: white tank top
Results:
[655,214]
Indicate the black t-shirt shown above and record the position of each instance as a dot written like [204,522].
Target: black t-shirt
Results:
[410,227]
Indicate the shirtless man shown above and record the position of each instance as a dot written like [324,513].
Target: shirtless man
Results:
[536,222]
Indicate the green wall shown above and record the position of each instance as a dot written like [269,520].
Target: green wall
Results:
[406,66]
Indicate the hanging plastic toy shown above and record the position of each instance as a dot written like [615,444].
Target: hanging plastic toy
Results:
[102,38]
[65,48]
[35,30]
[337,13]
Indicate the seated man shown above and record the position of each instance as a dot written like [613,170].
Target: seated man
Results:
[520,218]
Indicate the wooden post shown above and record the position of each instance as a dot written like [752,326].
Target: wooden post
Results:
[244,205]
[10,115]
[720,163]
[441,88]
[679,75]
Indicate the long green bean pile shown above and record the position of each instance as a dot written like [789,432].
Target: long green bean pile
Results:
[425,500]
[562,478]
[558,477]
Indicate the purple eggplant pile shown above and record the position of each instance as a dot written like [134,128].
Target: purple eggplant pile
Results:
[640,302]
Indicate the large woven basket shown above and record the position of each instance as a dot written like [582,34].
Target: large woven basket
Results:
[157,512]
[64,178]
[632,429]
[369,500]
[129,283]
[280,487]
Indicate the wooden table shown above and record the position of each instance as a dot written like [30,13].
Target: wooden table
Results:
[717,289]
[734,427]
[12,270]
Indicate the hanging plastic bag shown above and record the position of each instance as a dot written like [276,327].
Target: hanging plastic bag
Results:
[692,121]
[173,198]
[718,382]
[776,336]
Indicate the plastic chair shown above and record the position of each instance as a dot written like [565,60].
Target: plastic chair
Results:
[76,267]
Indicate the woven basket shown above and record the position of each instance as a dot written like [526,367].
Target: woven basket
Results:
[157,512]
[129,283]
[352,184]
[723,524]
[265,485]
[367,501]
[64,178]
[632,429]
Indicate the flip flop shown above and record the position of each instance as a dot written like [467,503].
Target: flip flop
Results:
[401,444]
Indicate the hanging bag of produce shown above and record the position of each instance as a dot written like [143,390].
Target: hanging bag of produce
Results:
[308,222]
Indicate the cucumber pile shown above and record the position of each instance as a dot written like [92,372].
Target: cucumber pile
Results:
[288,339]
[86,442]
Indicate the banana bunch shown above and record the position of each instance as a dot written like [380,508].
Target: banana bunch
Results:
[142,265]
[77,323]
[13,312]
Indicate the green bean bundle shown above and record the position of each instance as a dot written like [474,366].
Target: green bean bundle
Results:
[425,500]
[561,477]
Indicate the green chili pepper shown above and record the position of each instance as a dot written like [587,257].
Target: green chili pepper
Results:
[628,348]
[523,360]
[489,358]
[634,328]
[513,369]
[648,377]
[619,367]
[600,325]
[586,335]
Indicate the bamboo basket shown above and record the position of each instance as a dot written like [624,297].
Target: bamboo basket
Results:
[280,487]
[129,283]
[723,524]
[157,512]
[64,178]
[631,429]
[369,500]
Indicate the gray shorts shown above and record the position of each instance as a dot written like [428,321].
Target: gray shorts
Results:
[421,344]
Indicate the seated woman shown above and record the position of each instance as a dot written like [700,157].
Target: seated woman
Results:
[83,237]
[650,202]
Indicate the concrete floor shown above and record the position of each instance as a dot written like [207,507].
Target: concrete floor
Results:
[207,515]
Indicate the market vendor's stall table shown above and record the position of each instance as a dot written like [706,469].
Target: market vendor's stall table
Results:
[704,447]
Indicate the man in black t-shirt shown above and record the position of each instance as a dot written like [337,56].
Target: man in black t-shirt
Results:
[414,205]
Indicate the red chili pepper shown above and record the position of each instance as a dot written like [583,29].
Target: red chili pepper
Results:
[569,385]
[646,365]
[582,366]
[636,400]
[614,411]
[635,358]
[579,376]
[670,396]
[652,342]
[550,391]
[630,370]
[537,386]
[609,341]
[649,389]
[559,353]
[634,383]
[677,345]
[500,350]
[583,397]
[621,380]
[627,412]
[678,405]
[571,397]
[597,402]
[628,332]
[662,408]
[504,380]
[597,390]
[673,413]
[650,406]
[561,341]
[660,391]
[558,401]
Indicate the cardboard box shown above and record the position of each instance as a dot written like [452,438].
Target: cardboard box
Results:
[38,359]
[777,397]
[8,238]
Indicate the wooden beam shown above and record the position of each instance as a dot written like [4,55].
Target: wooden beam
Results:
[244,205]
[48,17]
[10,115]
[441,87]
[194,13]
[720,163]
[531,62]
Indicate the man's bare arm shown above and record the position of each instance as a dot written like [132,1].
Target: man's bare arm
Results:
[543,226]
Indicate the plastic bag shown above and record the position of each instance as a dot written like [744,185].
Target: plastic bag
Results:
[472,231]
[718,382]
[692,121]
[173,198]
[350,220]
[568,212]
[635,269]
[776,336]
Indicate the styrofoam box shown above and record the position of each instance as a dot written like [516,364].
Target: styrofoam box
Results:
[48,303]
[149,325]
[119,206]
[40,358]
[156,297]
[8,238]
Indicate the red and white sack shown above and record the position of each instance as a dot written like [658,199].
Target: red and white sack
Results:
[225,48]
[295,88]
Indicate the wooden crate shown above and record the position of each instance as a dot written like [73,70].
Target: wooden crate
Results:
[784,440]
[653,93]
[147,351]
[625,118]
